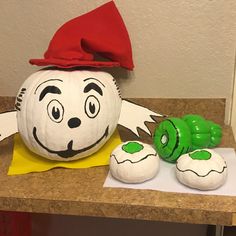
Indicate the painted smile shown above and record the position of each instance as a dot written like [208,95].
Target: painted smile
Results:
[69,152]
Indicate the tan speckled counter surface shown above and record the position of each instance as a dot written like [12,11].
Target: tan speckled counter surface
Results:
[80,192]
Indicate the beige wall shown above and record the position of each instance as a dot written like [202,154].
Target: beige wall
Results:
[233,117]
[181,48]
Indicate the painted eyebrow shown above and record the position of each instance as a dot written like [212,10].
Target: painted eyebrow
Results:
[93,86]
[46,82]
[49,89]
[95,80]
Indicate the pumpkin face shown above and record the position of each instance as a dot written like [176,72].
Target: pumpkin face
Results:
[67,115]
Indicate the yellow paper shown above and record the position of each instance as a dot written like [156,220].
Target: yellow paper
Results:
[24,161]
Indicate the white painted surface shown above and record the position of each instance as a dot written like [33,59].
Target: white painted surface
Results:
[8,124]
[133,116]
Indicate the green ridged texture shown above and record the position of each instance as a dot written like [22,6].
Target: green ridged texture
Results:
[216,134]
[200,131]
[176,136]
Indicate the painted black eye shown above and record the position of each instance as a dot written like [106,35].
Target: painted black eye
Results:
[55,111]
[92,106]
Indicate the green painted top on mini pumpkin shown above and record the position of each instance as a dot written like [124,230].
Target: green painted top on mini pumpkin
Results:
[200,155]
[66,115]
[132,147]
[201,162]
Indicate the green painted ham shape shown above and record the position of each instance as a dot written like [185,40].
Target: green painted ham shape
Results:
[176,136]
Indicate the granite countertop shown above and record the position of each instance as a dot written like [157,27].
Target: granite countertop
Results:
[81,192]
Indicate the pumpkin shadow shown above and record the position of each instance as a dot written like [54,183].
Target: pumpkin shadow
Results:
[116,72]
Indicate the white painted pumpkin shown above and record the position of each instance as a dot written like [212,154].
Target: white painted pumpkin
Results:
[66,115]
[134,162]
[202,169]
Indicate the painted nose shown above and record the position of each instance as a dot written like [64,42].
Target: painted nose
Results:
[74,122]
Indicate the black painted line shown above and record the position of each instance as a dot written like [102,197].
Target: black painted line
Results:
[189,170]
[132,162]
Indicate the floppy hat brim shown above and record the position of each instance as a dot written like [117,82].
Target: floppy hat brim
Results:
[61,63]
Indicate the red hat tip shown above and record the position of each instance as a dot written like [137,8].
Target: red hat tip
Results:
[99,32]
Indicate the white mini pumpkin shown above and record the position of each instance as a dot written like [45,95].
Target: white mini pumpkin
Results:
[67,114]
[134,162]
[202,169]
